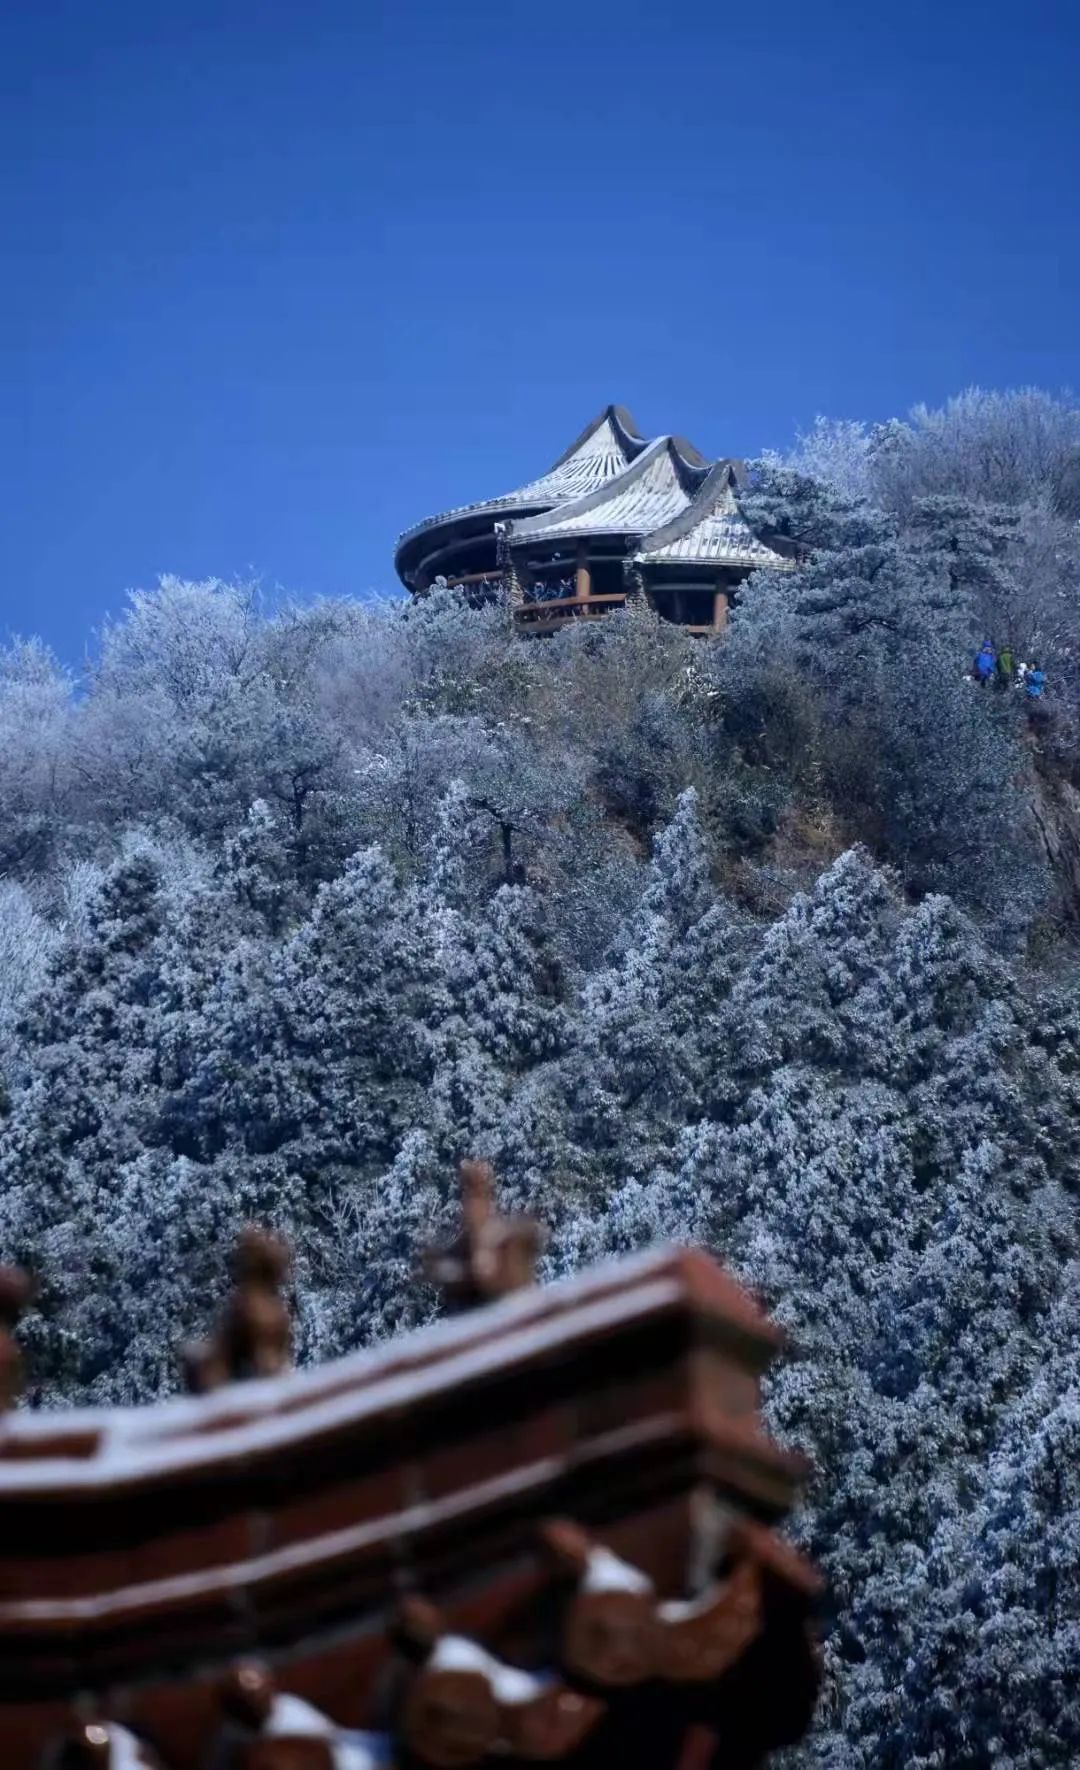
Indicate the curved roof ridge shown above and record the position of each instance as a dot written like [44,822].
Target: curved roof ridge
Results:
[623,425]
[712,527]
[590,500]
[691,457]
[717,482]
[620,490]
[597,465]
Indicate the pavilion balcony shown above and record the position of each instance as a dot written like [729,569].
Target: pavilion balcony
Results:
[547,615]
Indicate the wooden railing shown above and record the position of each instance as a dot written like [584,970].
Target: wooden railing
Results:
[565,608]
[546,615]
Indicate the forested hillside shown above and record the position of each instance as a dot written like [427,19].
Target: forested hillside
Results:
[768,943]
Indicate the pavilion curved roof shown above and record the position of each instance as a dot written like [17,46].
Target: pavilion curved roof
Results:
[653,490]
[710,530]
[605,448]
[663,496]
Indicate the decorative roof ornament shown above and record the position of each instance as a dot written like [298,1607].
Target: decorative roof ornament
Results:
[253,1337]
[617,1632]
[266,1729]
[492,1255]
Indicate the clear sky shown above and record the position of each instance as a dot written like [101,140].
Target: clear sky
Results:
[281,277]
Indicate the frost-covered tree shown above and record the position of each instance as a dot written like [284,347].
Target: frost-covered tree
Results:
[742,942]
[37,759]
[498,1014]
[79,1122]
[653,1018]
[315,1058]
[1014,447]
[878,626]
[258,874]
[871,1171]
[836,452]
[27,940]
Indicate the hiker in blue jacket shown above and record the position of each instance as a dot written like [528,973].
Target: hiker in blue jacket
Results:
[1035,682]
[985,664]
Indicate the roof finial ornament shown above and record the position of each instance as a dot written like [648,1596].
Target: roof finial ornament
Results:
[492,1255]
[253,1337]
[16,1290]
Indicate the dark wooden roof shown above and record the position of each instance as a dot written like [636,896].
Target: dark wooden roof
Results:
[148,1556]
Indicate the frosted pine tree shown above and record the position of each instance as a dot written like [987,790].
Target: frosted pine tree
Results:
[90,1036]
[318,1064]
[653,1017]
[809,995]
[257,871]
[498,1014]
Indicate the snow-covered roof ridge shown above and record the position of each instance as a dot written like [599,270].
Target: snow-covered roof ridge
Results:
[654,488]
[607,445]
[711,529]
[245,1548]
[127,1446]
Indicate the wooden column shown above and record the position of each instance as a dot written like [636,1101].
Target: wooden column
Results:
[515,589]
[583,577]
[505,563]
[720,610]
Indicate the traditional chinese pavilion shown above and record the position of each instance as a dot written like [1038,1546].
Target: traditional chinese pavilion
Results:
[542,1531]
[616,518]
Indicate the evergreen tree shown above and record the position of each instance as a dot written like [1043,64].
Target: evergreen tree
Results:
[78,1127]
[651,1019]
[259,873]
[743,943]
[317,1057]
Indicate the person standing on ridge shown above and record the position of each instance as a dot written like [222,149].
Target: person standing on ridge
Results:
[1035,682]
[1006,669]
[985,663]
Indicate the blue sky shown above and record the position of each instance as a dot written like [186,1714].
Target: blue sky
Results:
[280,278]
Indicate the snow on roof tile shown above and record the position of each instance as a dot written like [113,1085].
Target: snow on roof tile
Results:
[649,492]
[711,529]
[605,448]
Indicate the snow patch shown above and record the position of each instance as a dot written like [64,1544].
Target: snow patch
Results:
[293,1718]
[606,1573]
[291,1715]
[454,1653]
[677,1610]
[125,1752]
